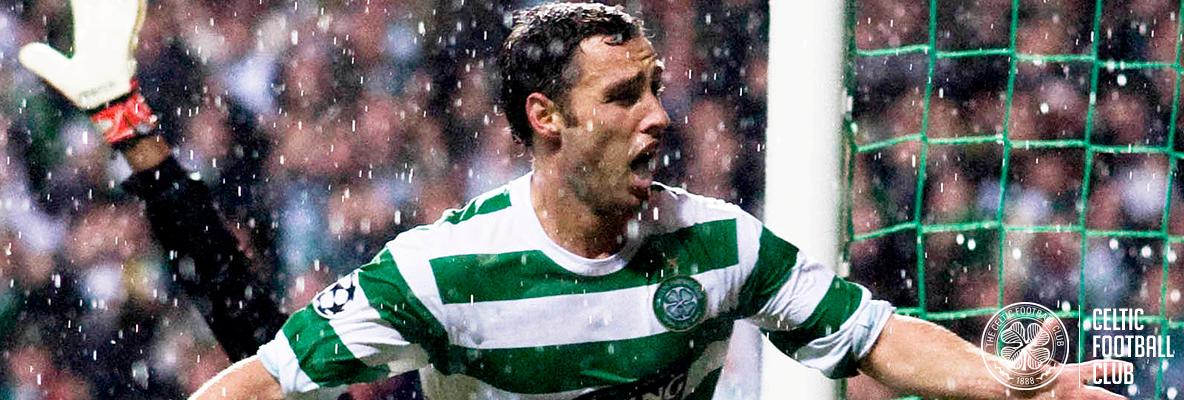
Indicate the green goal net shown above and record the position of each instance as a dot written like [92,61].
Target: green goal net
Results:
[1003,150]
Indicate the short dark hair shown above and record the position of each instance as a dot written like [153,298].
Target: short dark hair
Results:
[537,55]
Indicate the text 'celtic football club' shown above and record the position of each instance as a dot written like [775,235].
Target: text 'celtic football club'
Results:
[1105,343]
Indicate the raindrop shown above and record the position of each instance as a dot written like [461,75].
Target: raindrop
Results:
[971,244]
[1113,244]
[1121,79]
[1044,108]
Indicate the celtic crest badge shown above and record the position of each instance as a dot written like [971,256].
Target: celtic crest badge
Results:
[1032,343]
[680,303]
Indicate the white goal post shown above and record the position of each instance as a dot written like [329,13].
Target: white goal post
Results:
[803,180]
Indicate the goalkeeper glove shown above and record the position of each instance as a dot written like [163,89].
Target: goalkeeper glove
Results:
[99,76]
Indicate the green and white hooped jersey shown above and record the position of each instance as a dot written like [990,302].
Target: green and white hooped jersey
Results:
[486,306]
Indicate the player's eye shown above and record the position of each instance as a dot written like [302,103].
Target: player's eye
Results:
[625,97]
[657,87]
[626,93]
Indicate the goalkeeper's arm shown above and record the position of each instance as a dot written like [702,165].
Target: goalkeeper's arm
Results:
[99,79]
[236,300]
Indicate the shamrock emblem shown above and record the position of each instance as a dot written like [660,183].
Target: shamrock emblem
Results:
[1025,345]
[680,303]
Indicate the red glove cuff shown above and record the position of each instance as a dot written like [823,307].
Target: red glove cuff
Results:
[125,118]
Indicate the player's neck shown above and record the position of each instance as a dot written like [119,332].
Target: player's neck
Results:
[572,224]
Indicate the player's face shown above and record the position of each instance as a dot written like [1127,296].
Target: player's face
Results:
[611,146]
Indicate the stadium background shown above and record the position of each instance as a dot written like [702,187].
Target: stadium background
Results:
[327,127]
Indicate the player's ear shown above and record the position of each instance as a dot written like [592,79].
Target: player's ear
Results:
[544,116]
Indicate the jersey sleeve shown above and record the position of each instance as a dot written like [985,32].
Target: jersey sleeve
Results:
[366,326]
[808,312]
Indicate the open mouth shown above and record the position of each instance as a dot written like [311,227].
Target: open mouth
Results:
[645,163]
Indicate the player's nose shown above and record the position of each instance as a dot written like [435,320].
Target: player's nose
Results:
[656,119]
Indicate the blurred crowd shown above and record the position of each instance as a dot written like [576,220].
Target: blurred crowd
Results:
[325,129]
[1047,100]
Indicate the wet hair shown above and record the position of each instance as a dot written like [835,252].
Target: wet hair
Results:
[537,55]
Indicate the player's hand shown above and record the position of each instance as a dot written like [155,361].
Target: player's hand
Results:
[101,68]
[105,36]
[1073,383]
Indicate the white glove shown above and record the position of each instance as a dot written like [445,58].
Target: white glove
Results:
[105,37]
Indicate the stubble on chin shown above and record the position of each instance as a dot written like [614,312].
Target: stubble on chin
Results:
[601,195]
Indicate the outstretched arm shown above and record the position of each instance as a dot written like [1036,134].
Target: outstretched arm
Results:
[834,326]
[98,79]
[923,358]
[236,301]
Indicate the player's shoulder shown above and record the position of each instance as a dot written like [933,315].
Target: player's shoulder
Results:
[470,228]
[493,201]
[676,207]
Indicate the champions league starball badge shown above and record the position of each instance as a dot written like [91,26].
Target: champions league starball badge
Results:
[1032,342]
[680,303]
[334,299]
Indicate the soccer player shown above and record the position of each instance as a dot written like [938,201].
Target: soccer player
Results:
[585,279]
